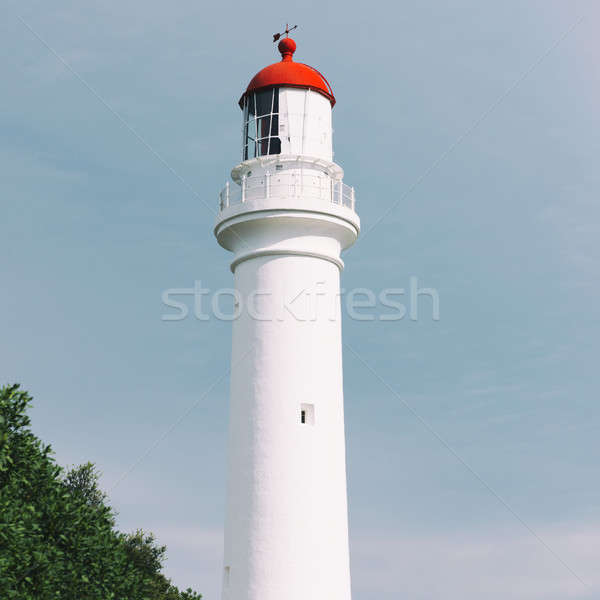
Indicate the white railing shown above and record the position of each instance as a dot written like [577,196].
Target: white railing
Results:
[289,185]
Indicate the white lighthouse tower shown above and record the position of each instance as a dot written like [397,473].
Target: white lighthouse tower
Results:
[287,217]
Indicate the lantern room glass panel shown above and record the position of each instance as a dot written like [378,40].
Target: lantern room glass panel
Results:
[261,124]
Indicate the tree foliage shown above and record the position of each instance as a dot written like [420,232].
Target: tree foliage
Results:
[57,534]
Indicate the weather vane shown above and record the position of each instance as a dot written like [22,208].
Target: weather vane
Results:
[276,36]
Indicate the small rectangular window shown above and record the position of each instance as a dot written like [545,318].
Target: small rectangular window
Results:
[307,414]
[226,575]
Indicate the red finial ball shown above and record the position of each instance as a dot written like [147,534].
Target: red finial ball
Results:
[287,47]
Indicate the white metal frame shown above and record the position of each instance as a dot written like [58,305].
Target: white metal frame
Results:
[247,120]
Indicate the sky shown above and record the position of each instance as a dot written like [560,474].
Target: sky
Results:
[471,134]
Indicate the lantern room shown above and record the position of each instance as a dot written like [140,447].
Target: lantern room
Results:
[287,110]
[287,150]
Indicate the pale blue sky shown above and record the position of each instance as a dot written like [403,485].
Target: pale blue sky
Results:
[476,121]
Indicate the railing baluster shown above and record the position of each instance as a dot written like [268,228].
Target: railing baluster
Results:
[294,186]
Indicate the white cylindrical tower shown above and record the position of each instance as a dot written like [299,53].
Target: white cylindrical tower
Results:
[287,217]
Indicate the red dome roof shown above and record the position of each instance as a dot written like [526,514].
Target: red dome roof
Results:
[288,73]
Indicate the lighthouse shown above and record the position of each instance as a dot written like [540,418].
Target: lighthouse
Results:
[286,217]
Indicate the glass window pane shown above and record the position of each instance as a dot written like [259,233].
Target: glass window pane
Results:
[251,104]
[264,126]
[251,129]
[263,146]
[263,102]
[275,147]
[275,125]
